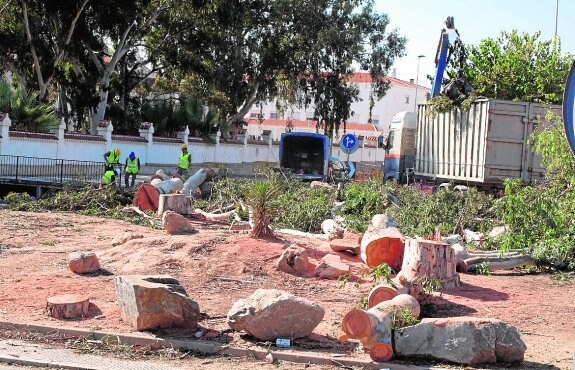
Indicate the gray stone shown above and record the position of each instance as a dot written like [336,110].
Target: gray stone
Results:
[149,302]
[463,340]
[269,314]
[83,263]
[294,260]
[382,221]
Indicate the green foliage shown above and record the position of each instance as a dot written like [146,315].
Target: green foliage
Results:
[402,317]
[308,207]
[86,200]
[540,221]
[449,211]
[261,197]
[550,141]
[26,111]
[483,268]
[362,201]
[443,104]
[380,273]
[363,302]
[519,66]
[430,286]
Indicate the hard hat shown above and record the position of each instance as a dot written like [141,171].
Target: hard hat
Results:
[132,155]
[117,151]
[184,146]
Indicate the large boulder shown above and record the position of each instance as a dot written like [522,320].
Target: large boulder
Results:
[175,223]
[149,302]
[269,314]
[83,263]
[294,260]
[463,340]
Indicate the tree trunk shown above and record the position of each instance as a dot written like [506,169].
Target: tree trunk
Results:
[496,263]
[147,198]
[178,203]
[385,292]
[374,326]
[68,307]
[429,259]
[382,245]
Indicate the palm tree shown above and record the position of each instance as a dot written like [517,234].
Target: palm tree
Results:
[260,197]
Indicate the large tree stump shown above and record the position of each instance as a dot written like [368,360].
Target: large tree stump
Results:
[382,245]
[429,259]
[146,198]
[68,306]
[373,327]
[178,203]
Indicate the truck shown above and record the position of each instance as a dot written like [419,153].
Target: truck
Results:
[306,156]
[481,146]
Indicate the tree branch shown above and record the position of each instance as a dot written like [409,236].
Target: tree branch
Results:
[248,103]
[32,47]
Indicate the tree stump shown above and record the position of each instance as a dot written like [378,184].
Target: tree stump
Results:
[373,327]
[430,259]
[382,245]
[146,198]
[178,203]
[69,306]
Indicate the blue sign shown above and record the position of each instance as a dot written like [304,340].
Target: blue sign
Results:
[569,108]
[349,143]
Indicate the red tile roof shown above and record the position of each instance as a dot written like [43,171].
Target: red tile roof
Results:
[365,77]
[311,124]
[32,135]
[88,137]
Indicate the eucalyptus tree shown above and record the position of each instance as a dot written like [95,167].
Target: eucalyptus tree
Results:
[236,53]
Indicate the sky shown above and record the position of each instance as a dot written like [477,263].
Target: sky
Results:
[421,22]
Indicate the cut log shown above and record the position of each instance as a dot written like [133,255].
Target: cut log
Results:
[385,292]
[213,216]
[373,327]
[382,245]
[430,259]
[178,203]
[168,186]
[68,306]
[494,263]
[147,198]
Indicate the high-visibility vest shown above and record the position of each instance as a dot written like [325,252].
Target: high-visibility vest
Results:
[112,159]
[132,165]
[184,161]
[108,177]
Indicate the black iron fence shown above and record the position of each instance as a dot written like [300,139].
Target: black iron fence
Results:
[49,171]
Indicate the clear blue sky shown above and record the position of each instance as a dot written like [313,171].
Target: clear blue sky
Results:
[421,22]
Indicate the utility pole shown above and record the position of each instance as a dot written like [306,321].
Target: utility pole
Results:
[556,16]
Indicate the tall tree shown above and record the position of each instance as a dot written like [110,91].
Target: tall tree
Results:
[519,66]
[37,36]
[236,53]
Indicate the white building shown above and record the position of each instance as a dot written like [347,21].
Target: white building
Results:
[400,96]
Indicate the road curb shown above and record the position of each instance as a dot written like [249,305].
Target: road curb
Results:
[200,346]
[38,363]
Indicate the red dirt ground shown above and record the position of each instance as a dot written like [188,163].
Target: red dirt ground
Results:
[34,248]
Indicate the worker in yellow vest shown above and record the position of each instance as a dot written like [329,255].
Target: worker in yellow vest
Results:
[131,168]
[111,158]
[185,161]
[109,178]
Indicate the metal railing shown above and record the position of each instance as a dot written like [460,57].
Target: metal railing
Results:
[49,171]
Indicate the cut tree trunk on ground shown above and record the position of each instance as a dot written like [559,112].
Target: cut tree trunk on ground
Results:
[178,203]
[374,326]
[147,198]
[385,292]
[430,259]
[493,263]
[68,306]
[382,245]
[213,216]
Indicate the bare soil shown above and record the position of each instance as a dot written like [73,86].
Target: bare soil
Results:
[217,267]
